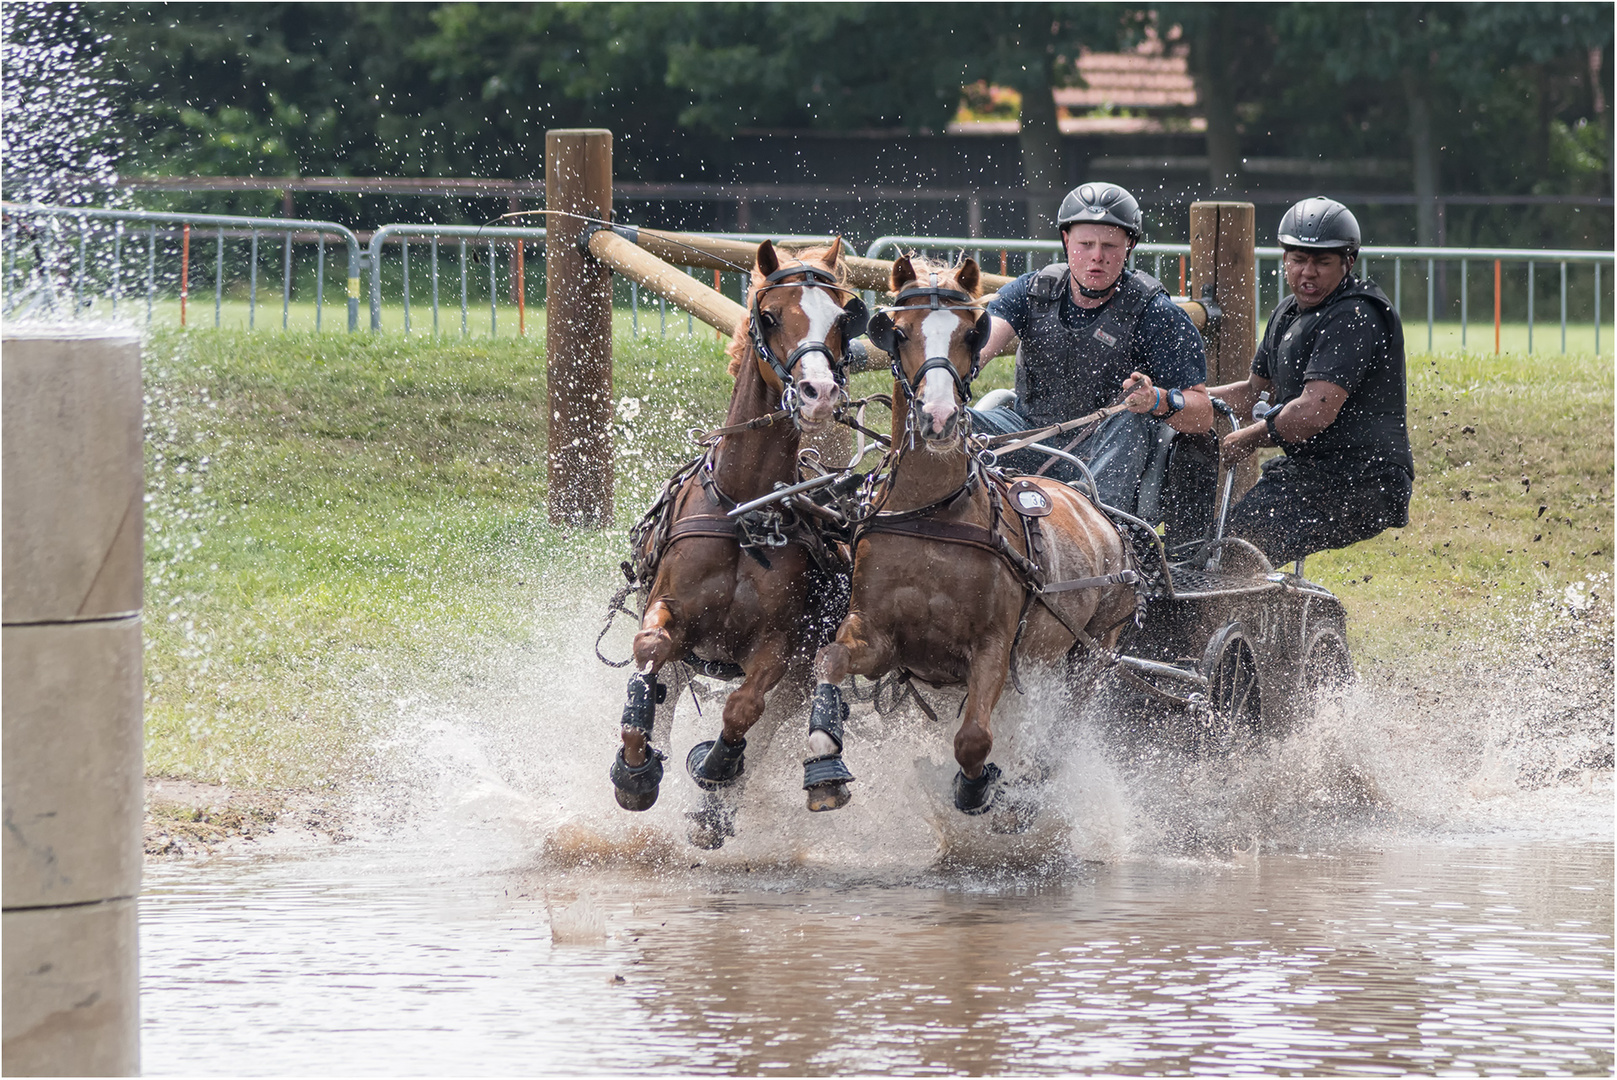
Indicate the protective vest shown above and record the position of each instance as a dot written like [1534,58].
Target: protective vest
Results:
[1372,421]
[1062,373]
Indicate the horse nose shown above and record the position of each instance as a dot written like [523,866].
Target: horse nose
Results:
[818,396]
[943,415]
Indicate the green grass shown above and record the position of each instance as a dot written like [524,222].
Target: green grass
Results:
[1512,504]
[339,521]
[334,520]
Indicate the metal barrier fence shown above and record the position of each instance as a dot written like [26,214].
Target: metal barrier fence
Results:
[53,252]
[488,242]
[57,265]
[1431,264]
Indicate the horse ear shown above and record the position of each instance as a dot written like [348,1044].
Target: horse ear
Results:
[768,261]
[967,276]
[836,250]
[903,273]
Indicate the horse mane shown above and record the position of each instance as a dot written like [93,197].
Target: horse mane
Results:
[948,276]
[740,348]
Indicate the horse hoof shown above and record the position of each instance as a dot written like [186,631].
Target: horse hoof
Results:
[712,825]
[630,801]
[715,763]
[832,796]
[636,787]
[976,796]
[1014,815]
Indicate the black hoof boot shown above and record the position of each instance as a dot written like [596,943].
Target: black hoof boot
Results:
[713,823]
[825,778]
[715,764]
[976,796]
[636,787]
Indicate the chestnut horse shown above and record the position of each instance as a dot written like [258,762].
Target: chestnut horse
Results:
[739,593]
[958,575]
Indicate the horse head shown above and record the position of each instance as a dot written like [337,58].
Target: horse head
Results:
[800,320]
[934,333]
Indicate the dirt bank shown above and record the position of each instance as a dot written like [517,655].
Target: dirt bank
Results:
[184,817]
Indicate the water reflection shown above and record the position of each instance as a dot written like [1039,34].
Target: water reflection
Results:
[1426,957]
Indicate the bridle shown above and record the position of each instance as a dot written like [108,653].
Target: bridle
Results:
[852,322]
[885,335]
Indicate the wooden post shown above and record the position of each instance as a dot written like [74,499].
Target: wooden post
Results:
[1223,256]
[578,328]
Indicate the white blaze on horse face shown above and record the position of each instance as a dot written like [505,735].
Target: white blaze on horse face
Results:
[817,387]
[937,392]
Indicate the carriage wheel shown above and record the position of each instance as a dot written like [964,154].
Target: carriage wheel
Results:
[1233,693]
[1327,667]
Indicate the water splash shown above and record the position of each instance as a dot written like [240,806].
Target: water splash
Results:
[58,143]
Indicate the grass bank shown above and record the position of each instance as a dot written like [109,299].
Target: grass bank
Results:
[337,521]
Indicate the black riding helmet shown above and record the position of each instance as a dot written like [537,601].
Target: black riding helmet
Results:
[1101,204]
[1321,224]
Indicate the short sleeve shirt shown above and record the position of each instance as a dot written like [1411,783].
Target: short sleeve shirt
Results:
[1167,345]
[1347,343]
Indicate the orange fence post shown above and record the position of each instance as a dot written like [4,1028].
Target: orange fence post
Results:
[718,287]
[1182,276]
[1496,307]
[522,290]
[1002,255]
[185,269]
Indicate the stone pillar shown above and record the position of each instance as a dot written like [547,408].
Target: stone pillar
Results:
[70,406]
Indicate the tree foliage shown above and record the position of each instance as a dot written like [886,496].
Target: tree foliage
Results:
[1503,97]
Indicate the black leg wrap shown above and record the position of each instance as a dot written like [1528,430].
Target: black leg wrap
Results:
[645,694]
[976,796]
[829,712]
[716,764]
[826,769]
[636,787]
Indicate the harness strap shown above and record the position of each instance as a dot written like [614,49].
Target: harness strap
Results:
[1124,577]
[702,525]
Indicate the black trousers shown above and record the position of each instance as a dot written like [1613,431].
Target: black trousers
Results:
[1301,505]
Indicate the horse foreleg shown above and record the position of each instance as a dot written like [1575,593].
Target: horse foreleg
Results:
[638,771]
[975,783]
[825,775]
[720,762]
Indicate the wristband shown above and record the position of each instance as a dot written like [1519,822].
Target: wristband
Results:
[1156,404]
[1274,435]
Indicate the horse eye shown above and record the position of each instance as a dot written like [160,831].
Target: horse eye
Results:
[768,319]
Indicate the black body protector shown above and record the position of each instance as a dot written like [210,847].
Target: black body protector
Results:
[1372,422]
[1062,373]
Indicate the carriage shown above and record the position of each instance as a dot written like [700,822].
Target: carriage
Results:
[1213,638]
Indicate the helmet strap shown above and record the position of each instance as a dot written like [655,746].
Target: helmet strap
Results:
[1099,294]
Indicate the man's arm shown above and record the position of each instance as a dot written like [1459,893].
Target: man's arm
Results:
[1242,396]
[1305,416]
[1144,397]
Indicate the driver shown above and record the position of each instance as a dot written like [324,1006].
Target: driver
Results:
[1092,332]
[1333,356]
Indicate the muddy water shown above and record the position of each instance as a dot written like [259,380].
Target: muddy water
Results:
[1407,884]
[1432,957]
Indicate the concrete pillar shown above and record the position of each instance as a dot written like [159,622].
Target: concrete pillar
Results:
[578,328]
[70,414]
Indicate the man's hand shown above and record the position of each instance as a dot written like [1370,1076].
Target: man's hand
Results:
[1142,396]
[1241,444]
